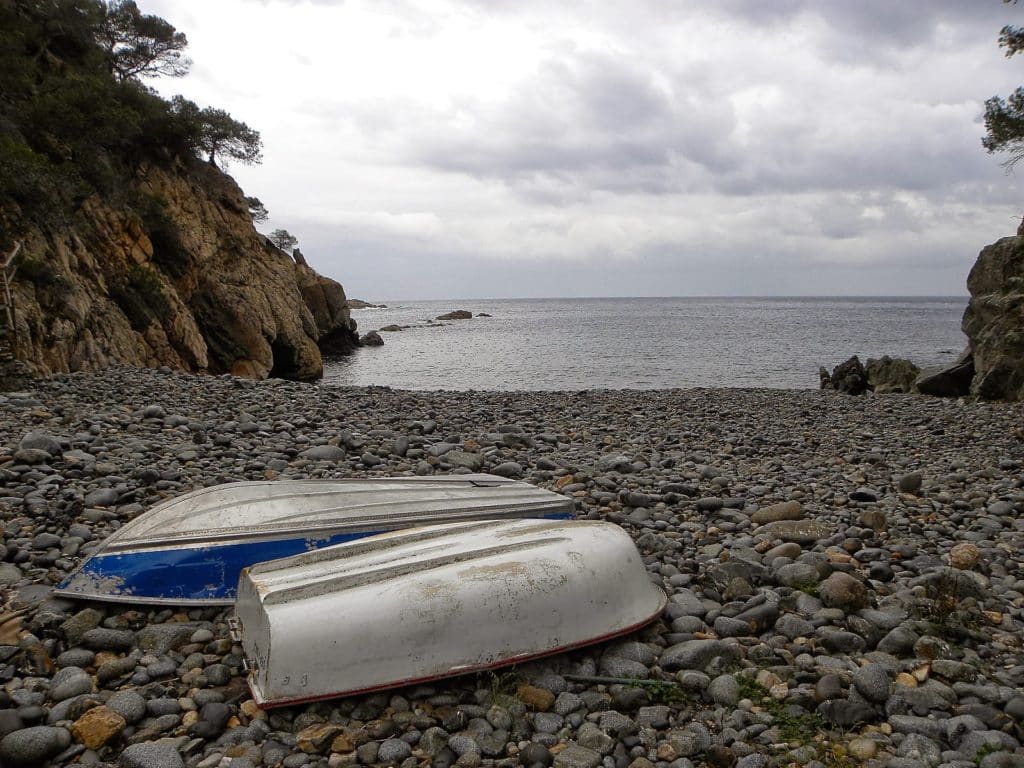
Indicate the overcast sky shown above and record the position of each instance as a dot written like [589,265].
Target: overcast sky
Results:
[507,148]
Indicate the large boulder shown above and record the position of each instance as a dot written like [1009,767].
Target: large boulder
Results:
[994,319]
[325,299]
[849,377]
[891,374]
[371,339]
[947,381]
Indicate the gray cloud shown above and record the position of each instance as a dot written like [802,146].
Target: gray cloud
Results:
[485,147]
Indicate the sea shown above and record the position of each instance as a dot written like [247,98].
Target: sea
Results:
[643,343]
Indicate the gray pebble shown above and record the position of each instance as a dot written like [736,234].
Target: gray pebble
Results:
[31,746]
[150,756]
[128,704]
[873,682]
[393,751]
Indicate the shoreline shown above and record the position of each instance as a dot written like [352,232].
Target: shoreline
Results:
[801,535]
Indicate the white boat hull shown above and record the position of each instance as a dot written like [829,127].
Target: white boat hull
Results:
[444,600]
[189,550]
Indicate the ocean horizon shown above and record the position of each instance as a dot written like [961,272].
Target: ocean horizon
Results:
[775,342]
[965,296]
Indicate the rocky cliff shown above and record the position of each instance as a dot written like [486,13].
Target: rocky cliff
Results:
[994,320]
[179,277]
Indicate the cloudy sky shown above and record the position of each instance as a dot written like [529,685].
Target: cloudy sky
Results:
[500,148]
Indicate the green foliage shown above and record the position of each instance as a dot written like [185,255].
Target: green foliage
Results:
[30,180]
[795,725]
[809,587]
[140,295]
[137,45]
[663,691]
[948,609]
[257,209]
[985,750]
[1004,118]
[1004,124]
[76,120]
[214,132]
[501,687]
[283,239]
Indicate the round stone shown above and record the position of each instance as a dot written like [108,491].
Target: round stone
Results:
[872,682]
[536,754]
[841,590]
[151,755]
[862,749]
[964,556]
[32,746]
[724,690]
[128,704]
[393,751]
[911,482]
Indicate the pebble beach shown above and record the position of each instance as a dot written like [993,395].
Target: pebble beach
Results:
[845,576]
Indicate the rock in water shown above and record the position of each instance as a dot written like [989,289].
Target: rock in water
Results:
[371,339]
[458,314]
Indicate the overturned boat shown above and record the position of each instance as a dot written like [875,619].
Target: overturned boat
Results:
[417,605]
[189,550]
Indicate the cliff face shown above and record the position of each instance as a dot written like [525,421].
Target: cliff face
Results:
[180,279]
[994,320]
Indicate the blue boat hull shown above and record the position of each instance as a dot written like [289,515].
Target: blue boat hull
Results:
[182,576]
[204,575]
[191,549]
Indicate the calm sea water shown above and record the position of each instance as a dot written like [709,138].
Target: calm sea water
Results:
[555,344]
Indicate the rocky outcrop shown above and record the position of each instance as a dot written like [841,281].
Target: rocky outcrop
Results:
[458,314]
[179,279]
[325,299]
[371,339]
[887,375]
[883,376]
[994,320]
[849,377]
[947,381]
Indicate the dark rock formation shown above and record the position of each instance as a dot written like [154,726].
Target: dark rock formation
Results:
[889,374]
[371,339]
[849,377]
[994,320]
[326,300]
[948,381]
[458,314]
